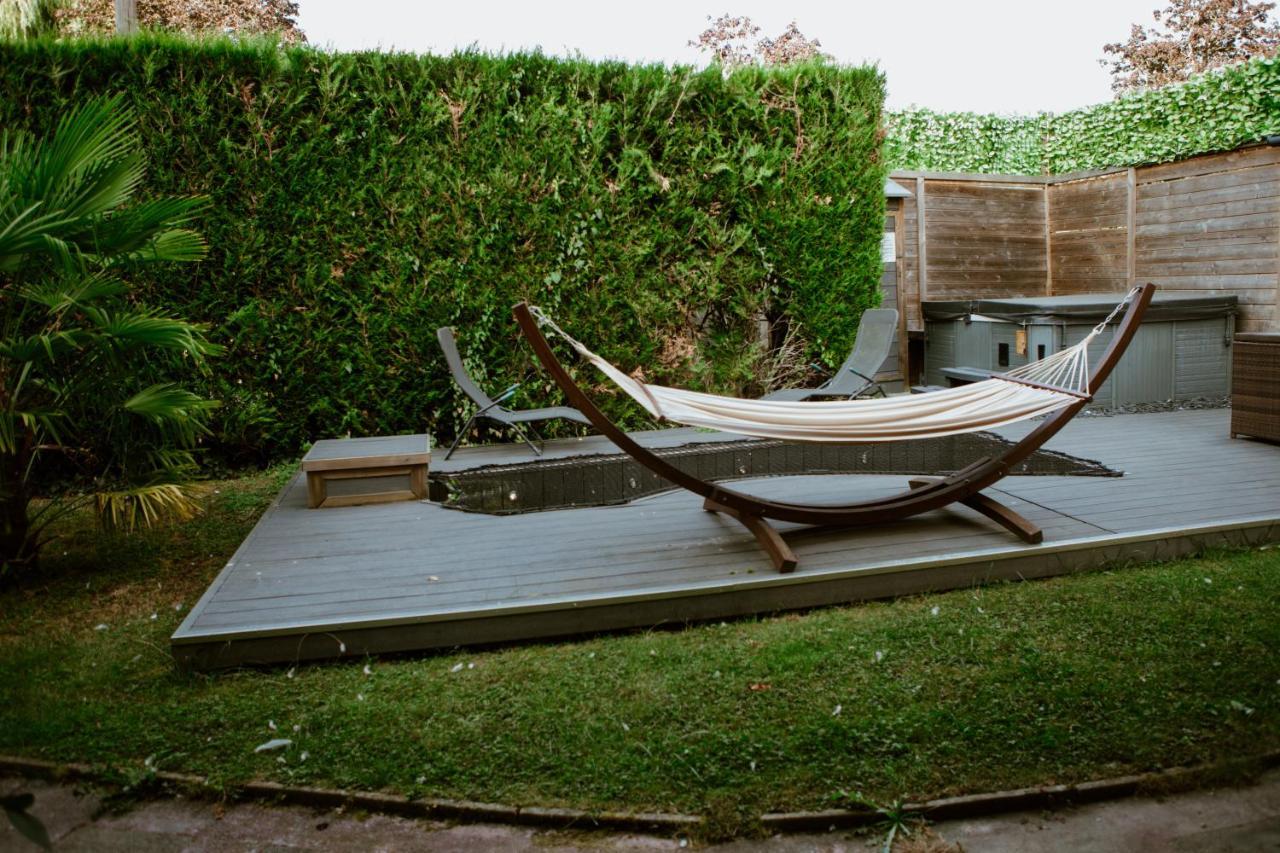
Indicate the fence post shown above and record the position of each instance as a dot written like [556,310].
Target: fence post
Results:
[126,16]
[1131,216]
[922,258]
[1048,242]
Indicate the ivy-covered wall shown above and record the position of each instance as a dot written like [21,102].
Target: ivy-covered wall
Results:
[358,201]
[927,141]
[1218,111]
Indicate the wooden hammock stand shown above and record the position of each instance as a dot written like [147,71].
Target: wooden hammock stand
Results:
[923,494]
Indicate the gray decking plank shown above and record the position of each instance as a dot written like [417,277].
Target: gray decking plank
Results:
[634,575]
[360,565]
[483,558]
[719,555]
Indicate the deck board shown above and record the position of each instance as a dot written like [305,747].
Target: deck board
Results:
[393,577]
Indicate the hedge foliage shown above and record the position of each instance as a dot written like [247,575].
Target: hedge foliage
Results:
[1217,111]
[361,200]
[920,139]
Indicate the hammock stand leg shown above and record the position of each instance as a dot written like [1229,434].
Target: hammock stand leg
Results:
[963,486]
[1002,514]
[784,559]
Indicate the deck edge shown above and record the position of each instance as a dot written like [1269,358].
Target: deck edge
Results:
[568,616]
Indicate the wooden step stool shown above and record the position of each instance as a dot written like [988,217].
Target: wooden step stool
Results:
[366,465]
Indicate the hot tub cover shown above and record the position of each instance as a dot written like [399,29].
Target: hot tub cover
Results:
[1082,308]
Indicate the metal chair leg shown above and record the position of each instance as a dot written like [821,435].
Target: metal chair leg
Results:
[525,438]
[470,421]
[874,389]
[537,436]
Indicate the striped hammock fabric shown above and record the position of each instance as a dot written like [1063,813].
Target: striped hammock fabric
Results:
[1034,389]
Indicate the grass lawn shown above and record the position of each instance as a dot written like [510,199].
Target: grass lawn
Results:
[1017,684]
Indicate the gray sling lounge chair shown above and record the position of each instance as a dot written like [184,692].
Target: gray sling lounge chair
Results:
[857,375]
[491,408]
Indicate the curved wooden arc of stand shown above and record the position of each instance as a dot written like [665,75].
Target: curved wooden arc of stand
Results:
[924,494]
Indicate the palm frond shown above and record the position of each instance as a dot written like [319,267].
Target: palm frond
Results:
[177,244]
[147,328]
[47,346]
[99,188]
[92,163]
[58,192]
[152,231]
[23,229]
[130,229]
[146,506]
[40,425]
[178,413]
[65,253]
[63,292]
[174,463]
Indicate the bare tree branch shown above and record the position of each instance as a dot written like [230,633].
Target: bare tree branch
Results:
[732,41]
[1191,37]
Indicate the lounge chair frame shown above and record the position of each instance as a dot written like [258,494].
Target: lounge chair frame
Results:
[519,421]
[923,494]
[870,349]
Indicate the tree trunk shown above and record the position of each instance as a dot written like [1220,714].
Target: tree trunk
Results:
[17,551]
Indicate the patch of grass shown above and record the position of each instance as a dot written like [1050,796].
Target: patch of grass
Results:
[1003,686]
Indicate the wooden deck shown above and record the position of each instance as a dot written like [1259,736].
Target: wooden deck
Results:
[327,583]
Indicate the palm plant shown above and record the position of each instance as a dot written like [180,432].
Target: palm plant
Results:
[84,413]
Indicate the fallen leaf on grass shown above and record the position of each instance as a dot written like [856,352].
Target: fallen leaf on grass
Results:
[759,686]
[274,743]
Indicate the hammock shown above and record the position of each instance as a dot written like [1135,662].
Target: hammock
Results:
[1001,399]
[1034,389]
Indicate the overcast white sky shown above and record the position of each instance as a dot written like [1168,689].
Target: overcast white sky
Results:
[1000,56]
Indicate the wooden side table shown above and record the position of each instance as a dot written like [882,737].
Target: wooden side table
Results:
[371,466]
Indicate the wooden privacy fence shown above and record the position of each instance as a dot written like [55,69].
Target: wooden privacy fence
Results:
[1210,223]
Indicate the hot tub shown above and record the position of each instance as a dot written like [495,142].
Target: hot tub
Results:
[1182,351]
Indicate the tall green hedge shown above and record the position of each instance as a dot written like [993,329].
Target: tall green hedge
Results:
[361,200]
[1218,111]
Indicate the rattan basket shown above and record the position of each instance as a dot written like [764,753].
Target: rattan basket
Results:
[1255,385]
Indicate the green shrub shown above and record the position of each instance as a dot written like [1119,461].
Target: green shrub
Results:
[1217,111]
[358,201]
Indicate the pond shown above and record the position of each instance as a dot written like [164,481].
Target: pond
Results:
[605,479]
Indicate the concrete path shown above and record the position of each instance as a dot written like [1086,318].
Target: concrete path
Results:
[1233,820]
